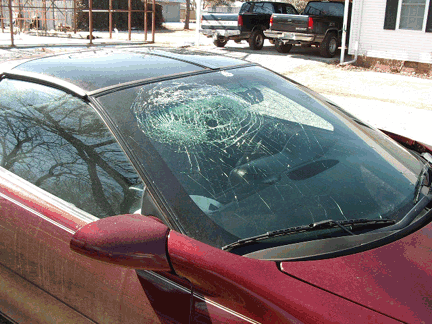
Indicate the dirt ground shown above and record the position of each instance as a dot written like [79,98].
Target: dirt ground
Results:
[364,84]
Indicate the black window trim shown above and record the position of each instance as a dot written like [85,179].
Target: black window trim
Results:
[46,80]
[107,90]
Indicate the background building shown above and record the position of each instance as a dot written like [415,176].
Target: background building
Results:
[392,29]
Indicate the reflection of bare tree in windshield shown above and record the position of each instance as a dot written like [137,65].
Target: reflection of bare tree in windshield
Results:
[58,143]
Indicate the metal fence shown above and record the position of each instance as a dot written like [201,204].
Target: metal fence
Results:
[60,17]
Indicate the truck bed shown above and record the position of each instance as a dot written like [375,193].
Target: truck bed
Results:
[219,21]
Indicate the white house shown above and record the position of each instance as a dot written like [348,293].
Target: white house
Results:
[392,29]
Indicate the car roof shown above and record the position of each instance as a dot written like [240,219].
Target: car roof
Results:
[96,69]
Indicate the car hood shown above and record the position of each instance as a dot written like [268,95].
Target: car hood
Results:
[395,279]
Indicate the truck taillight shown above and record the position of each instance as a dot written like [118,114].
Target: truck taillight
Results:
[271,21]
[310,23]
[240,21]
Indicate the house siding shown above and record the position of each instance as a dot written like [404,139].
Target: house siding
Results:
[367,29]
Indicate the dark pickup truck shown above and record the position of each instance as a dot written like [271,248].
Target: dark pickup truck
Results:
[249,24]
[320,24]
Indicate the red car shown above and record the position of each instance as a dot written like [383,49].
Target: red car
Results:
[149,186]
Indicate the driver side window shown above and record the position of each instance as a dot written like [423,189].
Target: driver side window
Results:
[58,142]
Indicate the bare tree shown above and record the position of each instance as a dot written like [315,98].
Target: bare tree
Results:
[213,3]
[300,5]
[188,4]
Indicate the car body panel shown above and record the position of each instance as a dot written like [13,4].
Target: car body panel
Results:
[98,71]
[166,288]
[105,68]
[124,246]
[409,143]
[203,59]
[394,278]
[257,289]
[22,310]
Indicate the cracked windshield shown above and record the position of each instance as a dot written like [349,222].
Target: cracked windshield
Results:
[257,154]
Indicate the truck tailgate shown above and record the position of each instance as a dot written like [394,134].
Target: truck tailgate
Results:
[220,21]
[290,23]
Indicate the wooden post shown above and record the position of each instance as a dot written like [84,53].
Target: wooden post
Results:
[19,17]
[44,16]
[75,17]
[197,22]
[65,13]
[1,16]
[145,20]
[54,16]
[129,19]
[91,21]
[11,23]
[153,20]
[110,18]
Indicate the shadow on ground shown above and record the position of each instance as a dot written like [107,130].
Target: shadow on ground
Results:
[305,53]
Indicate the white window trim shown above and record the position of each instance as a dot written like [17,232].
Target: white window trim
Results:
[428,3]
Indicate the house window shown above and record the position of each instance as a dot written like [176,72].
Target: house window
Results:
[412,14]
[408,15]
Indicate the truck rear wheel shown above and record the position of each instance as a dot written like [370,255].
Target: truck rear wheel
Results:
[256,40]
[281,47]
[329,45]
[220,42]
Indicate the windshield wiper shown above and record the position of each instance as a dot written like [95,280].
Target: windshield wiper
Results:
[423,180]
[346,225]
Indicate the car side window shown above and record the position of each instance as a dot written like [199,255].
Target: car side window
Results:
[245,7]
[290,10]
[263,8]
[279,8]
[59,143]
[268,8]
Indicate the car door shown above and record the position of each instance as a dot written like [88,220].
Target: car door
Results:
[62,169]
